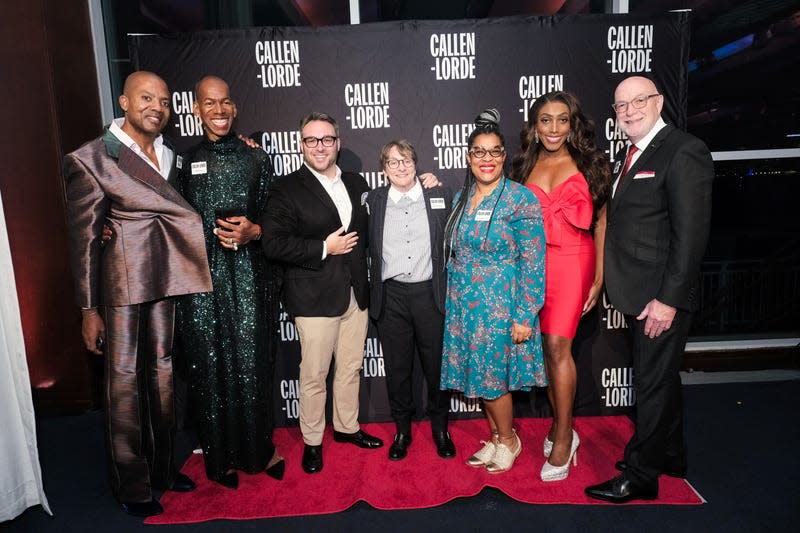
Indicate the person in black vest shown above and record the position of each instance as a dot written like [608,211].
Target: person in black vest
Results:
[659,216]
[408,285]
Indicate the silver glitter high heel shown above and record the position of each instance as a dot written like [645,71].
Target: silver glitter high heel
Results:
[547,446]
[557,473]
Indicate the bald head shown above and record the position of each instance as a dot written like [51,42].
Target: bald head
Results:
[636,122]
[209,81]
[214,106]
[145,101]
[133,81]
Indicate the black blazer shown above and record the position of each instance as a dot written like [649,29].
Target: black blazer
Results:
[437,219]
[298,216]
[658,224]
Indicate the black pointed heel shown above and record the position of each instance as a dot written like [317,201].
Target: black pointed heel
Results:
[277,470]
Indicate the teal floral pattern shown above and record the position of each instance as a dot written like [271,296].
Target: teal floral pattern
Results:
[495,279]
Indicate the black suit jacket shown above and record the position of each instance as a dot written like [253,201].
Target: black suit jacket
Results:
[658,225]
[299,215]
[437,219]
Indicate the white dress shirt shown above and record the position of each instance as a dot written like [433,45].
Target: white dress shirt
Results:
[641,146]
[338,193]
[163,153]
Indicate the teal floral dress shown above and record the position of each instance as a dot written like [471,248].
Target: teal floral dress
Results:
[495,278]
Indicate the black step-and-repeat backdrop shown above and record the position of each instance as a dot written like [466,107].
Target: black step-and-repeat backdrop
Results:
[425,81]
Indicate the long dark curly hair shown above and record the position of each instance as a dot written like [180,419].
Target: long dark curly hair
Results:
[589,159]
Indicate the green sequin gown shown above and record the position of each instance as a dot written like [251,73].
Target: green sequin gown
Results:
[228,338]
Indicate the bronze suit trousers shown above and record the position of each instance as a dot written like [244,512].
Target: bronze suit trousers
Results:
[140,416]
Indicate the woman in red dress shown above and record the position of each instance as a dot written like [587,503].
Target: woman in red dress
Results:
[562,165]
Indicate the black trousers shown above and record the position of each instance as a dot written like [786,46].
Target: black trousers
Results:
[658,438]
[409,321]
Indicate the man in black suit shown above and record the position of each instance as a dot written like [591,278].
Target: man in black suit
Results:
[658,223]
[315,222]
[408,285]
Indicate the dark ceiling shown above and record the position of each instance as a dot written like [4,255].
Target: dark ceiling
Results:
[747,99]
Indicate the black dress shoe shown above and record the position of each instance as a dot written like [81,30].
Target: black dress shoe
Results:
[399,448]
[182,483]
[444,444]
[229,480]
[359,438]
[621,490]
[312,459]
[668,470]
[145,509]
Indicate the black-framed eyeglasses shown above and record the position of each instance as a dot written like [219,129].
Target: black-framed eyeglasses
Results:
[395,163]
[480,153]
[637,103]
[327,141]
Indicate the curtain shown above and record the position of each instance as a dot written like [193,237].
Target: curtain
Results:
[20,475]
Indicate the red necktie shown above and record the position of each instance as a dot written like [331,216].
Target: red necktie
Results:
[631,150]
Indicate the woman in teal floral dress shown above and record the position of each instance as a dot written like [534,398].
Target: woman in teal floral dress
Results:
[496,245]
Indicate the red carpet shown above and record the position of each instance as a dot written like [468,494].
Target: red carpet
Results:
[421,480]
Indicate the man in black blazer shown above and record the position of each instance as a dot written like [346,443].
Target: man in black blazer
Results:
[658,222]
[315,222]
[408,285]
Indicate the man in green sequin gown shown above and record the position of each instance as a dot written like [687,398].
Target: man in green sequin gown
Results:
[229,336]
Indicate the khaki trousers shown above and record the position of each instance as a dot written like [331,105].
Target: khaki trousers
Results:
[322,338]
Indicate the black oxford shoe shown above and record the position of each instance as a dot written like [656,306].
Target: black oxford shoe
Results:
[312,459]
[620,490]
[444,444]
[144,509]
[182,483]
[360,438]
[668,470]
[399,448]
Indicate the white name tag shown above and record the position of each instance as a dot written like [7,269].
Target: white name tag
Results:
[483,215]
[179,162]
[437,203]
[199,167]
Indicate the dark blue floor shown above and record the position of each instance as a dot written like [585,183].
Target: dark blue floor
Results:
[744,446]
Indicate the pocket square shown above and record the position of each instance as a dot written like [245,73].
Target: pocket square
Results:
[644,174]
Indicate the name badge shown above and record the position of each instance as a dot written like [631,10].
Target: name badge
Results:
[437,203]
[179,162]
[199,167]
[483,215]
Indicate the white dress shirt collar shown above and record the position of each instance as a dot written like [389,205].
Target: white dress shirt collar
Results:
[325,180]
[414,193]
[164,156]
[645,141]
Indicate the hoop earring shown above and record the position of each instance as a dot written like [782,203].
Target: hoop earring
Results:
[535,137]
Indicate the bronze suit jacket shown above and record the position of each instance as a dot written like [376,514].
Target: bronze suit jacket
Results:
[157,249]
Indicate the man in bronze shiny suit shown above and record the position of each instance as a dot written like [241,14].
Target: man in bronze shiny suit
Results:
[126,288]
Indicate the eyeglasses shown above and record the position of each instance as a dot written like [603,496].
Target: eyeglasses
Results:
[395,163]
[637,103]
[326,141]
[480,153]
